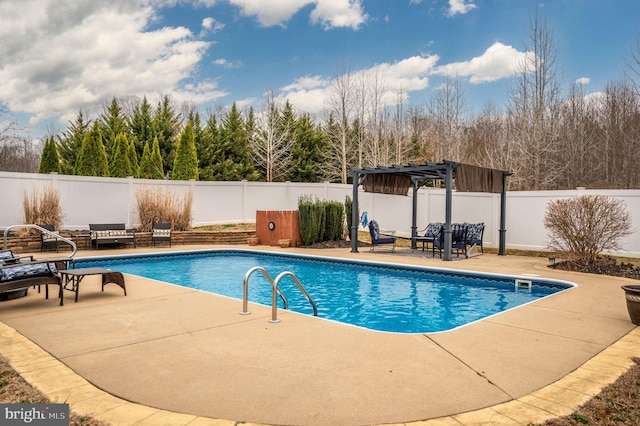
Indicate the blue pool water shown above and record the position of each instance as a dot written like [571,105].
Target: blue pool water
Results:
[380,297]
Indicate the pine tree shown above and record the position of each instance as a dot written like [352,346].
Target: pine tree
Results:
[307,152]
[133,157]
[71,142]
[166,123]
[185,166]
[232,158]
[156,167]
[205,146]
[141,125]
[120,165]
[112,123]
[92,159]
[145,162]
[50,161]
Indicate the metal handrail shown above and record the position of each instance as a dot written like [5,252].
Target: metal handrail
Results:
[300,286]
[245,289]
[276,290]
[43,230]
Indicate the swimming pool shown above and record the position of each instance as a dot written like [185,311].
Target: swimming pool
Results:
[377,296]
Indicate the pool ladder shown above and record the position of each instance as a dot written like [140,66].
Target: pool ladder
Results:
[275,291]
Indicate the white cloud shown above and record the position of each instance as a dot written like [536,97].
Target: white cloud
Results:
[228,64]
[60,56]
[310,93]
[583,81]
[498,61]
[306,82]
[460,6]
[339,13]
[328,13]
[211,24]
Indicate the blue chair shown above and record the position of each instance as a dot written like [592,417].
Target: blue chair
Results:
[475,232]
[458,240]
[432,232]
[377,237]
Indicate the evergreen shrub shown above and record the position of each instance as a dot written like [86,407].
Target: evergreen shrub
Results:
[320,220]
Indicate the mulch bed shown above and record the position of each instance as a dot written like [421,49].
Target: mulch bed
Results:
[604,265]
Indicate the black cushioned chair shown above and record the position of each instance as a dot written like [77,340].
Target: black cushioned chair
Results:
[161,232]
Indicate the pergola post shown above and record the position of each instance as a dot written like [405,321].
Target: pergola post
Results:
[447,212]
[354,213]
[502,248]
[414,227]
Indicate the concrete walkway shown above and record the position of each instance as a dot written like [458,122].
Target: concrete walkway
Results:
[170,355]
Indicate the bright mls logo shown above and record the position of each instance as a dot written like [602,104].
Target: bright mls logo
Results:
[34,414]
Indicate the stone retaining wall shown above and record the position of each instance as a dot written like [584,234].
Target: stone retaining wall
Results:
[31,244]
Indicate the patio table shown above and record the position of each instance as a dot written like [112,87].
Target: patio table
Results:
[71,278]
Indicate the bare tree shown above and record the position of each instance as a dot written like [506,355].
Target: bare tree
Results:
[272,140]
[620,146]
[533,108]
[446,113]
[342,109]
[487,143]
[633,66]
[580,136]
[17,153]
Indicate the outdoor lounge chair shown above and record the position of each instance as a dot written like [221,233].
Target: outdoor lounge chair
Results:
[432,232]
[20,275]
[48,240]
[8,257]
[161,232]
[380,237]
[458,240]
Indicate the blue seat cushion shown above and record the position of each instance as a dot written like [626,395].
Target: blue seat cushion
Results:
[384,240]
[27,270]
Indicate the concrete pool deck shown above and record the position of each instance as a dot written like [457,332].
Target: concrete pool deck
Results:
[167,355]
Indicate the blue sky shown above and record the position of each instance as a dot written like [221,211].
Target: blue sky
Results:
[60,56]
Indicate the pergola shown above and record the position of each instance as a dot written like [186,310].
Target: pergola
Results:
[398,179]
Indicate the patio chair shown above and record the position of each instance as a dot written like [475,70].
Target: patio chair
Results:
[458,240]
[381,237]
[431,233]
[48,240]
[161,232]
[475,232]
[17,274]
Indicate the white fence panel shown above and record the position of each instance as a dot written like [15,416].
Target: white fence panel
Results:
[105,200]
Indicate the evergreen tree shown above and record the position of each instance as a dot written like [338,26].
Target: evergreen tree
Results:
[185,166]
[120,165]
[145,162]
[166,124]
[133,157]
[157,171]
[112,123]
[232,157]
[307,151]
[141,125]
[92,159]
[50,161]
[205,145]
[71,142]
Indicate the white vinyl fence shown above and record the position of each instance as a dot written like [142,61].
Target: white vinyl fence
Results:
[107,200]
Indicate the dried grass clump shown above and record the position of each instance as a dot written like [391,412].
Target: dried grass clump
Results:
[42,207]
[162,205]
